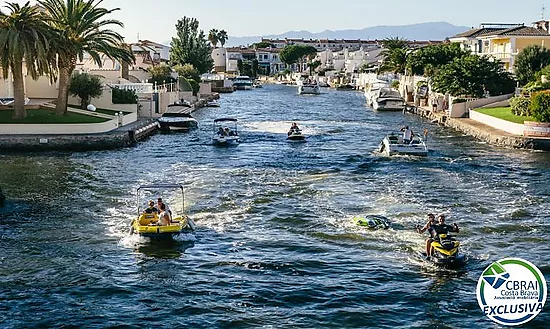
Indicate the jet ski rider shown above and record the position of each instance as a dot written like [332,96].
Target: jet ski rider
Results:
[435,230]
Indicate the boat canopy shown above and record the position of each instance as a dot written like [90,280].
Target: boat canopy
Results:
[159,186]
[389,93]
[225,119]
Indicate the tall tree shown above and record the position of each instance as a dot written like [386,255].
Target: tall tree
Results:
[395,53]
[222,37]
[473,75]
[23,37]
[424,61]
[312,66]
[213,37]
[79,27]
[529,61]
[187,71]
[160,74]
[190,46]
[293,54]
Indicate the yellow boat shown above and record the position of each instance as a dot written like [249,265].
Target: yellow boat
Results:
[148,225]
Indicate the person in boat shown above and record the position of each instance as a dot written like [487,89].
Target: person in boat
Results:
[428,227]
[164,217]
[160,203]
[227,131]
[407,134]
[221,132]
[151,209]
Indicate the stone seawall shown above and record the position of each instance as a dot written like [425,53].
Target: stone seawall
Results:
[483,132]
[122,137]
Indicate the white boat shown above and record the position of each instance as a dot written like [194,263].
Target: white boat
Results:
[257,84]
[388,99]
[372,90]
[223,134]
[308,87]
[212,103]
[177,118]
[295,135]
[393,144]
[242,82]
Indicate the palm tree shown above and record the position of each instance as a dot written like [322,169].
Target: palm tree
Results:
[23,38]
[79,28]
[222,37]
[395,55]
[213,37]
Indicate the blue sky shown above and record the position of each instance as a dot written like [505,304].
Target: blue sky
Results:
[155,19]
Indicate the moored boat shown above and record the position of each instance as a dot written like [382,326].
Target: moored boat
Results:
[212,103]
[388,99]
[149,225]
[177,118]
[372,89]
[242,82]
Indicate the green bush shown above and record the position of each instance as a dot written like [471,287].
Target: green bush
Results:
[195,85]
[540,106]
[123,96]
[459,100]
[520,105]
[85,86]
[185,85]
[395,84]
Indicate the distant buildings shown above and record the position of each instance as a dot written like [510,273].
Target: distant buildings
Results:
[340,55]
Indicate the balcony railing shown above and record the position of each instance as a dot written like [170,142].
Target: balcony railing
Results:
[146,88]
[138,88]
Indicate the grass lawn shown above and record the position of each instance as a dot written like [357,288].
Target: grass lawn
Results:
[43,116]
[504,113]
[100,110]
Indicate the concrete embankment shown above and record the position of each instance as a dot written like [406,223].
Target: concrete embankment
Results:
[123,136]
[483,132]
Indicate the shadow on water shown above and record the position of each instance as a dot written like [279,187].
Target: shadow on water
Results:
[164,249]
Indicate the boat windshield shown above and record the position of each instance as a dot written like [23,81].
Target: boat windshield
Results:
[389,93]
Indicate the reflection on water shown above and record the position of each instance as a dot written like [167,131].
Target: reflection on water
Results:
[275,245]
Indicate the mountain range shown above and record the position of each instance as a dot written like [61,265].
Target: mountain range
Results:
[423,31]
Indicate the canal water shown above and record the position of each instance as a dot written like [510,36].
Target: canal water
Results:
[275,245]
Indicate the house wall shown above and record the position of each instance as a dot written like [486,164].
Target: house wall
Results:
[522,43]
[105,101]
[41,88]
[509,127]
[458,110]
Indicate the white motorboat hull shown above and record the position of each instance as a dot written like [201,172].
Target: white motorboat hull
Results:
[388,105]
[397,147]
[308,90]
[226,140]
[177,124]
